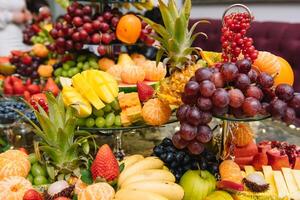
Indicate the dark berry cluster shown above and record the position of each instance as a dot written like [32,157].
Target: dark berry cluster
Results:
[179,161]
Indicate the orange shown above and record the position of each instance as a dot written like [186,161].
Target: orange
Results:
[45,71]
[211,57]
[14,188]
[129,29]
[267,62]
[285,73]
[14,163]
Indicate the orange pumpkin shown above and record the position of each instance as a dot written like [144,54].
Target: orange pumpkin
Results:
[132,74]
[14,188]
[129,29]
[285,73]
[14,163]
[40,50]
[153,72]
[155,112]
[97,191]
[115,71]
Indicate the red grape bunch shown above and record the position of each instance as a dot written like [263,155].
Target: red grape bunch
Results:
[83,25]
[234,40]
[26,65]
[236,89]
[146,33]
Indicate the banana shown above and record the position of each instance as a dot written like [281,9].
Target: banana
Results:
[130,160]
[137,195]
[147,163]
[169,190]
[149,175]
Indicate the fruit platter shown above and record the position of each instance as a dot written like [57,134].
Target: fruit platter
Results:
[74,91]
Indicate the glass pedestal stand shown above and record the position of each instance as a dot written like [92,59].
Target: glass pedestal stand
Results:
[224,139]
[118,134]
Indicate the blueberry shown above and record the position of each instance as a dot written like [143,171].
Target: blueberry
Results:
[170,157]
[186,159]
[158,150]
[194,165]
[208,155]
[174,164]
[167,142]
[170,149]
[177,176]
[203,164]
[214,168]
[187,167]
[180,156]
[163,156]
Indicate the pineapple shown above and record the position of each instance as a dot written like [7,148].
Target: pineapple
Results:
[61,144]
[175,43]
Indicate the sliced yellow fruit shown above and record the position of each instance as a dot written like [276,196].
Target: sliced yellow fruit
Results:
[110,81]
[289,179]
[269,177]
[72,97]
[282,189]
[99,85]
[211,57]
[87,91]
[249,169]
[296,174]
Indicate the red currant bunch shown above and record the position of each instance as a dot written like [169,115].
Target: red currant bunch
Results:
[234,40]
[40,102]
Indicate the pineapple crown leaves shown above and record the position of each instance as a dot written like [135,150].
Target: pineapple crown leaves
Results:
[174,37]
[60,139]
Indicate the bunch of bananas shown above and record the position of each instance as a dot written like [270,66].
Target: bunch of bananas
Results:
[147,178]
[148,5]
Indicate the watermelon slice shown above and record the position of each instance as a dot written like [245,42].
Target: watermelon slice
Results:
[127,88]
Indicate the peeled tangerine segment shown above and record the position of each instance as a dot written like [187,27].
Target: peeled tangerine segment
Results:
[99,85]
[87,91]
[72,97]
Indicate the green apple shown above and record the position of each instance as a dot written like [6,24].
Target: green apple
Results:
[197,184]
[219,195]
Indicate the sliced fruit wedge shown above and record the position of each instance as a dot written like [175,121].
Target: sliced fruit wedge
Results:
[127,88]
[211,57]
[282,189]
[82,85]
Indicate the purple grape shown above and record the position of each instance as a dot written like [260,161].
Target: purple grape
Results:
[251,107]
[191,88]
[207,88]
[229,71]
[255,92]
[181,112]
[187,131]
[278,108]
[203,74]
[204,104]
[193,116]
[242,81]
[236,98]
[244,65]
[220,98]
[289,116]
[295,102]
[265,80]
[284,92]
[204,134]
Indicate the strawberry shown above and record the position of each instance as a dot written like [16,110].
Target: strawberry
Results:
[26,95]
[19,88]
[33,89]
[15,79]
[51,87]
[32,195]
[145,91]
[105,164]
